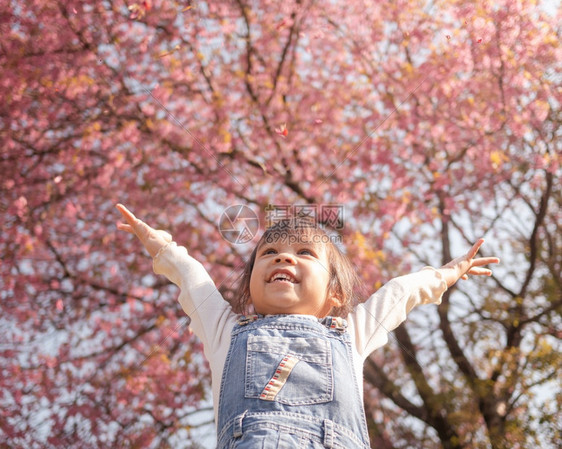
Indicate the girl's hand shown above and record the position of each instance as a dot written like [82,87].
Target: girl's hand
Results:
[462,266]
[152,239]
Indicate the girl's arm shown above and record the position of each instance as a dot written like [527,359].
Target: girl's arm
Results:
[462,266]
[372,321]
[211,316]
[152,239]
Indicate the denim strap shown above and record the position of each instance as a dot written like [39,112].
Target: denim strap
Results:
[237,426]
[334,322]
[328,433]
[246,319]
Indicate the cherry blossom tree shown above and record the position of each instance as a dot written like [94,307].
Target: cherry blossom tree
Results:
[432,123]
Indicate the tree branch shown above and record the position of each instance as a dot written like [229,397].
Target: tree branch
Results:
[375,375]
[437,414]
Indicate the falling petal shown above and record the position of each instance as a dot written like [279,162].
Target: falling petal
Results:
[281,24]
[282,130]
[318,121]
[448,37]
[59,304]
[136,12]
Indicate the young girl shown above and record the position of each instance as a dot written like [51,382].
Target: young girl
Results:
[291,375]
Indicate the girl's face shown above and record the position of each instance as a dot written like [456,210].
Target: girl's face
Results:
[291,279]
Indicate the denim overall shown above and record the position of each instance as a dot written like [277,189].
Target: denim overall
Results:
[288,382]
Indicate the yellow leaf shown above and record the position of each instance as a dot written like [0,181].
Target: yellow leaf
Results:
[48,83]
[498,157]
[495,158]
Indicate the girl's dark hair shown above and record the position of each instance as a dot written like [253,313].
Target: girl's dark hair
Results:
[344,281]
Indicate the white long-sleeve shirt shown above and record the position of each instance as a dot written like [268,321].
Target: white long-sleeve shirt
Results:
[212,318]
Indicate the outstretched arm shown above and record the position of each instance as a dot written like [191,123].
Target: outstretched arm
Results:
[462,266]
[152,239]
[372,321]
[211,316]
